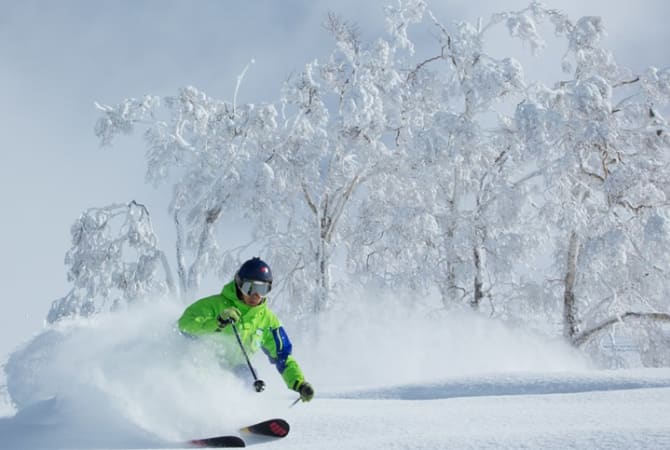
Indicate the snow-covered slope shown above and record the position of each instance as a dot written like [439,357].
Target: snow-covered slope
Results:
[616,419]
[622,418]
[128,380]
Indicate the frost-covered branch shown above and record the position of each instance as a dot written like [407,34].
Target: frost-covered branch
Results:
[583,337]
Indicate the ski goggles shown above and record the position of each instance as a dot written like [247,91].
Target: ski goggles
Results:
[249,287]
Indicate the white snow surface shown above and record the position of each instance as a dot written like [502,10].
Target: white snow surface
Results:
[128,380]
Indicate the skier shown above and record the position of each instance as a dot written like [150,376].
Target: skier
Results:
[243,302]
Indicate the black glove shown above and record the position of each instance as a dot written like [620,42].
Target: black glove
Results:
[306,391]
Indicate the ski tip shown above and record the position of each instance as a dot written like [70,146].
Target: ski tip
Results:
[219,442]
[273,428]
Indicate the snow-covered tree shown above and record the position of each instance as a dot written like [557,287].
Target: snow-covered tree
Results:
[333,151]
[452,214]
[293,183]
[603,147]
[114,261]
[215,155]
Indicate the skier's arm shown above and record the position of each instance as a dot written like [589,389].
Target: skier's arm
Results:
[278,348]
[201,317]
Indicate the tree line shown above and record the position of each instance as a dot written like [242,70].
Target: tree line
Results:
[451,174]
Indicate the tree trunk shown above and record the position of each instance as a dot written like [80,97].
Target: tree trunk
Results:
[478,295]
[570,326]
[323,281]
[322,258]
[451,293]
[181,264]
[194,272]
[168,275]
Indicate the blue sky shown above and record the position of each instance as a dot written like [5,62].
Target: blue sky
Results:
[58,58]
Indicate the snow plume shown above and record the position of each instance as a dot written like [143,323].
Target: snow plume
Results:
[130,374]
[135,380]
[386,341]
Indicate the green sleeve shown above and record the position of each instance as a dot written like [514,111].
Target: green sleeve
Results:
[278,348]
[292,375]
[201,316]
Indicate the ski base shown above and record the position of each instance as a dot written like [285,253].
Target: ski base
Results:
[276,428]
[219,442]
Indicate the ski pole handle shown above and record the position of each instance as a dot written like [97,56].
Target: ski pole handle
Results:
[225,322]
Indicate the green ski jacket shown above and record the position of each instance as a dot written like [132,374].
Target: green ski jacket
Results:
[258,327]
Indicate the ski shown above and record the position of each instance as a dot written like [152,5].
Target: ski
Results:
[219,442]
[273,428]
[277,428]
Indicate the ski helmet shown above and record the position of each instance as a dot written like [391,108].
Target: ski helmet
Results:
[254,269]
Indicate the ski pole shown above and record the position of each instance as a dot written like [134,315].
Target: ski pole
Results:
[259,385]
